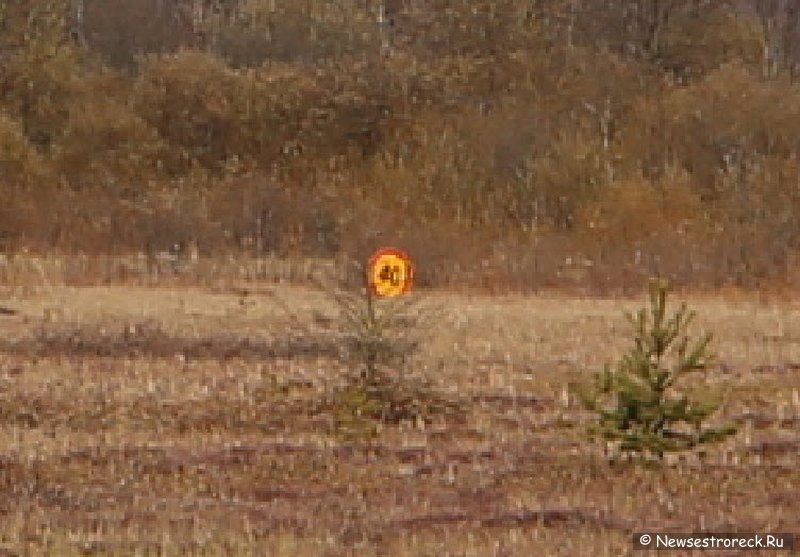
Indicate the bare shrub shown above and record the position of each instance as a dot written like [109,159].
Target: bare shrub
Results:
[105,145]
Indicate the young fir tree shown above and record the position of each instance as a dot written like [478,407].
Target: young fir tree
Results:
[638,403]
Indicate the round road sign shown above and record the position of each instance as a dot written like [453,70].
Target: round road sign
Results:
[390,272]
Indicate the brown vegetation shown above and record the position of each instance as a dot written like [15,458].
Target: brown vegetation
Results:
[192,422]
[524,144]
[166,168]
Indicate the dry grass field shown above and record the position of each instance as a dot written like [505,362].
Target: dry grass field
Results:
[179,419]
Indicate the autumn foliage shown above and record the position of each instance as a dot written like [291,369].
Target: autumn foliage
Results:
[511,143]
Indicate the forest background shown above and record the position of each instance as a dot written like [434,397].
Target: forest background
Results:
[506,144]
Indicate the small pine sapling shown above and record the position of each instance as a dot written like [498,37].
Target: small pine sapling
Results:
[638,404]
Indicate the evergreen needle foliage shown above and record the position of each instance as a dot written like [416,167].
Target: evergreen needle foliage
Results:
[376,332]
[378,336]
[638,403]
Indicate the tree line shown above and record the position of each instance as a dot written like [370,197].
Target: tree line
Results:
[509,143]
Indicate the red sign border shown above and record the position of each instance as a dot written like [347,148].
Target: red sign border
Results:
[397,252]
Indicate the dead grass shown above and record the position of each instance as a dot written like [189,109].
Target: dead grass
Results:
[173,421]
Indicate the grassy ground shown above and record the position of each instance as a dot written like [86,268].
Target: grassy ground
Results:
[198,420]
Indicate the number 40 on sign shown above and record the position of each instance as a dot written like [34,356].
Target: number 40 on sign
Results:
[390,272]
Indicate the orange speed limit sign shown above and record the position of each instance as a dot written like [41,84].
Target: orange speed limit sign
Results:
[390,272]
